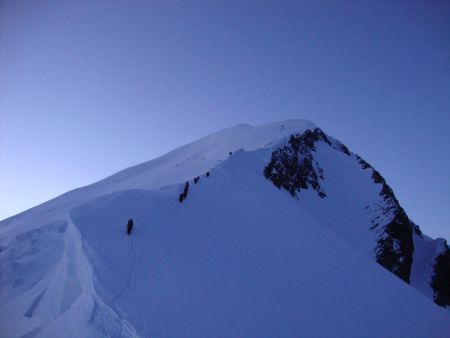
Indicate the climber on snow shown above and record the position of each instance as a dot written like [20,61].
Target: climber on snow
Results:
[129,226]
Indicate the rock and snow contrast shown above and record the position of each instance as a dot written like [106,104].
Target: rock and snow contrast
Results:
[270,231]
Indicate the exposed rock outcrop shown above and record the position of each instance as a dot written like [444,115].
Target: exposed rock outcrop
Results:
[395,247]
[440,282]
[292,167]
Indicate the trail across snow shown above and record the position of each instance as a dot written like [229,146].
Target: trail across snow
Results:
[130,278]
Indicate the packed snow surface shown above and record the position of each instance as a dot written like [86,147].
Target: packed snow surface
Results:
[238,258]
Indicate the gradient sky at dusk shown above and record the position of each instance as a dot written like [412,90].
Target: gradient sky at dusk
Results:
[88,88]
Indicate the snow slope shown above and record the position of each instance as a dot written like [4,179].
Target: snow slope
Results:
[238,258]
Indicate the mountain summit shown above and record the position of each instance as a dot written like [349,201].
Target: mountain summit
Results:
[270,231]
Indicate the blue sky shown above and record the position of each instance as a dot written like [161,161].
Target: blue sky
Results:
[88,88]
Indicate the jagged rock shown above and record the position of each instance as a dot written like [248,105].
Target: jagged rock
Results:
[344,149]
[292,167]
[441,276]
[363,163]
[417,230]
[395,247]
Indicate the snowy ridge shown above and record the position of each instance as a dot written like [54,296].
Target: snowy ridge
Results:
[238,257]
[176,166]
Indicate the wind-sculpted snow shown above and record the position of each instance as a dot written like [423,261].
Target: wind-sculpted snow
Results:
[26,262]
[237,258]
[46,285]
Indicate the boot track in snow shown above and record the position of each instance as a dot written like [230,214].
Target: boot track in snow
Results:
[130,279]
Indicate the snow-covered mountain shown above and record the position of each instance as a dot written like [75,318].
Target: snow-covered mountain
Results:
[270,231]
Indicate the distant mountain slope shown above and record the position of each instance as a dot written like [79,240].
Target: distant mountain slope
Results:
[279,235]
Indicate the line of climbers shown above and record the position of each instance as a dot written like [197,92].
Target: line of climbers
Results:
[182,196]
